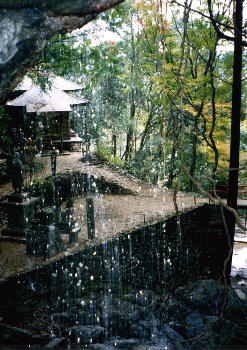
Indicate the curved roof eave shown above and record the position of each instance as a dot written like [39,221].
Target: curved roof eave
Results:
[57,81]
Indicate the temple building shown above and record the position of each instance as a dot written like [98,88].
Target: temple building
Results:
[47,111]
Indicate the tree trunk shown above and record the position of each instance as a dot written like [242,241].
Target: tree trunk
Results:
[130,133]
[61,132]
[146,130]
[194,148]
[171,174]
[163,41]
[216,152]
[131,129]
[114,145]
[235,134]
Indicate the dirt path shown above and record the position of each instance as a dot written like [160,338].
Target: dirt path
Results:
[72,162]
[113,213]
[100,169]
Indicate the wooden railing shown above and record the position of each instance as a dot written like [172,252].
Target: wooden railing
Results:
[222,191]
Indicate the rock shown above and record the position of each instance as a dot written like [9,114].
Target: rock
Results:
[195,320]
[92,316]
[97,347]
[194,324]
[234,271]
[144,298]
[209,297]
[174,337]
[240,294]
[25,27]
[224,340]
[118,316]
[123,343]
[136,330]
[211,319]
[82,317]
[111,321]
[87,334]
[242,283]
[32,347]
[141,329]
[153,347]
[132,314]
[16,335]
[62,319]
[55,344]
[175,309]
[242,273]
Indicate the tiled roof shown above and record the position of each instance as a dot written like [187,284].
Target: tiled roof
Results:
[53,100]
[59,82]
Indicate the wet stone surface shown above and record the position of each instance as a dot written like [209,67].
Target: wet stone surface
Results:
[115,294]
[146,319]
[86,334]
[157,324]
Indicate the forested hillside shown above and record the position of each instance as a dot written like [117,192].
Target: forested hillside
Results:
[159,82]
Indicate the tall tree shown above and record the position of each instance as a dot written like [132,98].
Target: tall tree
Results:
[129,139]
[235,122]
[235,128]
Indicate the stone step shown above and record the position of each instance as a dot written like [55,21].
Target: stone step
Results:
[14,239]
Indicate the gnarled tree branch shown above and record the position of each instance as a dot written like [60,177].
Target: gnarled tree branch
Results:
[26,25]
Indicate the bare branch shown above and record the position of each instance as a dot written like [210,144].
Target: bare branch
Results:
[202,14]
[214,21]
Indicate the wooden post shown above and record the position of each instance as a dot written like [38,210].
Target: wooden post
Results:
[61,131]
[90,218]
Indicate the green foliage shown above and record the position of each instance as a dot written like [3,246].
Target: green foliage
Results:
[221,178]
[105,155]
[40,79]
[125,79]
[35,167]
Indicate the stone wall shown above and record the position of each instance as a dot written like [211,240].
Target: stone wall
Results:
[73,184]
[155,257]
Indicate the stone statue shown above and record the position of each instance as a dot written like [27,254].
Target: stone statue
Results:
[16,172]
